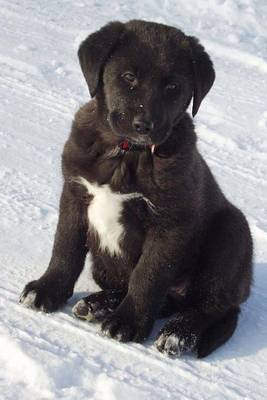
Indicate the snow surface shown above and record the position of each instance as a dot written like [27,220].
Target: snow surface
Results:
[56,356]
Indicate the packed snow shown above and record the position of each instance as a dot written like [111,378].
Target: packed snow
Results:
[56,356]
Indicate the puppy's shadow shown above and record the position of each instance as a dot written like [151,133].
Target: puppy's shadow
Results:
[250,336]
[76,297]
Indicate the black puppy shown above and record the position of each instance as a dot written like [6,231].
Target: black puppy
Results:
[140,197]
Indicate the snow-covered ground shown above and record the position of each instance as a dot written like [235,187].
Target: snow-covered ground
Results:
[56,356]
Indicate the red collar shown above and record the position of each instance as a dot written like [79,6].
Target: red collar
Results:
[126,146]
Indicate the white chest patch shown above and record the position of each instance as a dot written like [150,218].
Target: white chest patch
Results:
[104,213]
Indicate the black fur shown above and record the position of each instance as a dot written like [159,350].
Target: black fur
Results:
[191,253]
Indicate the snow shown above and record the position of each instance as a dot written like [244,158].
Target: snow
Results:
[56,356]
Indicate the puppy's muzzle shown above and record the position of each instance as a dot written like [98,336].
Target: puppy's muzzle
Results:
[142,126]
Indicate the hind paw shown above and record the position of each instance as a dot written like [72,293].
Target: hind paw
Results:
[174,340]
[97,306]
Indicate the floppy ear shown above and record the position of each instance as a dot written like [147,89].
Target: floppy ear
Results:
[94,52]
[203,71]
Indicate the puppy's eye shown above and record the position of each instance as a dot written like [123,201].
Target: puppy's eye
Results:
[129,77]
[172,86]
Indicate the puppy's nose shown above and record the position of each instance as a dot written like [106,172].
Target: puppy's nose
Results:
[142,126]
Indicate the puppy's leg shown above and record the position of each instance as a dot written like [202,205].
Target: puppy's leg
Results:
[220,284]
[154,274]
[97,306]
[218,333]
[167,309]
[224,278]
[56,285]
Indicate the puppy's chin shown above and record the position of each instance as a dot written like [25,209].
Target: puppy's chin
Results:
[144,140]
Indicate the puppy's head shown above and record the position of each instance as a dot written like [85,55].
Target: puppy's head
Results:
[147,74]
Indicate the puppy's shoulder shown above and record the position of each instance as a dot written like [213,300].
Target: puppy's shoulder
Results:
[86,116]
[85,126]
[82,143]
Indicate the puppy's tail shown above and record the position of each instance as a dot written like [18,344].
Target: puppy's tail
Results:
[218,333]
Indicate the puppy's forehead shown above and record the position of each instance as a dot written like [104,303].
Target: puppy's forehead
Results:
[153,47]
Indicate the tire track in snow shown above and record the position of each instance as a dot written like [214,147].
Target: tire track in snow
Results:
[19,367]
[247,59]
[40,97]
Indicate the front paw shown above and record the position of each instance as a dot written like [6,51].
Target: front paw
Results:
[124,327]
[44,296]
